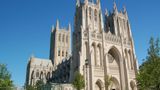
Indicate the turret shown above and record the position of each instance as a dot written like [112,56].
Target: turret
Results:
[57,25]
[78,3]
[106,13]
[115,10]
[98,3]
[52,28]
[69,27]
[125,11]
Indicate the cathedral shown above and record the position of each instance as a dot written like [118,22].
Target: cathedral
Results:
[102,46]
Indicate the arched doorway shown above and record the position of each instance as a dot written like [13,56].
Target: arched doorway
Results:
[133,85]
[115,84]
[99,85]
[114,58]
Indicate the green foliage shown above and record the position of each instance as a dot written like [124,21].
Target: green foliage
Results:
[39,84]
[29,87]
[108,81]
[5,77]
[78,81]
[149,72]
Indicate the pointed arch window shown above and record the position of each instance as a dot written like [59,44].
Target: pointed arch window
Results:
[62,53]
[59,52]
[95,15]
[59,37]
[90,13]
[67,39]
[63,38]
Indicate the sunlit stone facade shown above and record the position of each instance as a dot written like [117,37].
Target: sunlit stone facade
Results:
[38,69]
[107,46]
[101,46]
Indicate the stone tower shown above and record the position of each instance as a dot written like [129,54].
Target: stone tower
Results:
[60,44]
[103,48]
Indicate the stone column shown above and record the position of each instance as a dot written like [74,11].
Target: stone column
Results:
[122,79]
[127,75]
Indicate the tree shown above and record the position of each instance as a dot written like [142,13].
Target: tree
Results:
[30,87]
[148,77]
[78,81]
[108,81]
[5,78]
[39,84]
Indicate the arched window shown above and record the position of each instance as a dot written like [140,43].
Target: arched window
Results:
[93,54]
[131,58]
[59,37]
[63,38]
[99,61]
[59,52]
[67,39]
[62,53]
[90,12]
[127,58]
[98,56]
[95,15]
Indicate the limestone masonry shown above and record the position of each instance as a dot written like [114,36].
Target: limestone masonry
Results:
[102,45]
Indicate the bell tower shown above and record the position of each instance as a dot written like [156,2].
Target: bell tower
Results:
[87,39]
[60,43]
[88,14]
[88,20]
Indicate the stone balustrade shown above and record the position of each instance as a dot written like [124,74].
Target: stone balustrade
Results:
[108,38]
[112,38]
[93,35]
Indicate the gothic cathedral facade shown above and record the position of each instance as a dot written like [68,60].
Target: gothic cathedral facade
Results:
[103,48]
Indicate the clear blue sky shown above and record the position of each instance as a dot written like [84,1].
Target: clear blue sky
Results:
[25,27]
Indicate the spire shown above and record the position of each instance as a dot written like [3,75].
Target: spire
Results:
[69,27]
[57,25]
[98,3]
[125,11]
[78,3]
[106,12]
[32,56]
[52,28]
[115,10]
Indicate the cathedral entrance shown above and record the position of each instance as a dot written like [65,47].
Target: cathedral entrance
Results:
[114,58]
[115,84]
[133,85]
[98,85]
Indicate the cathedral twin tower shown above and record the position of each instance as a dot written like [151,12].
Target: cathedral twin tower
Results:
[105,46]
[100,48]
